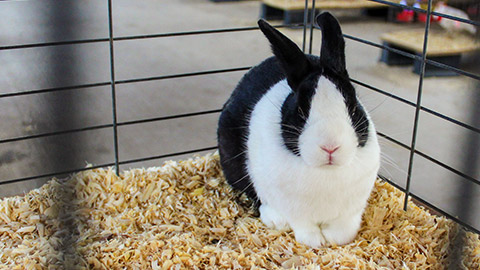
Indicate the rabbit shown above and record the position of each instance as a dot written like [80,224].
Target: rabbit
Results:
[294,137]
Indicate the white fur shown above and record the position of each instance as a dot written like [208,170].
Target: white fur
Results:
[322,203]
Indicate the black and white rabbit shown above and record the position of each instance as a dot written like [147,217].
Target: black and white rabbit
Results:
[295,138]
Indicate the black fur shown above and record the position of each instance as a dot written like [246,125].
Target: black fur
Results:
[332,57]
[332,52]
[356,112]
[296,108]
[233,123]
[302,73]
[292,60]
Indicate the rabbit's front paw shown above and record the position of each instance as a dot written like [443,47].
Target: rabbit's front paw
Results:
[311,236]
[342,230]
[272,218]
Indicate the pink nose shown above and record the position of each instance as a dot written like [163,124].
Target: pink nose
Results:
[330,150]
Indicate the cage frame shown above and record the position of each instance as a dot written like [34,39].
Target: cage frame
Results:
[308,27]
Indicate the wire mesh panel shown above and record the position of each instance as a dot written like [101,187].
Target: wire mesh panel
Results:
[92,89]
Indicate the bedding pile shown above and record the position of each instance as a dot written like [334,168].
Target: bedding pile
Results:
[183,215]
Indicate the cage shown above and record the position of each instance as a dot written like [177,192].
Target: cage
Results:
[92,85]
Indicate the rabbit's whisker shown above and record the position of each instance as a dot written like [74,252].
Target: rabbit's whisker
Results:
[238,180]
[236,156]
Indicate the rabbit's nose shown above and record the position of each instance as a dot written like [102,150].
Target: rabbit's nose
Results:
[330,149]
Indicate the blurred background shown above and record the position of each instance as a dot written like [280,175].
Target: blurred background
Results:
[45,89]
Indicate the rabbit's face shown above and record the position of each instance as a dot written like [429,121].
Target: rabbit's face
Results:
[328,137]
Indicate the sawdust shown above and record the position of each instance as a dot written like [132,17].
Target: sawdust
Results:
[184,216]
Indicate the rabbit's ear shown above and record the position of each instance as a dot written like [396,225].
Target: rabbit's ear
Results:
[291,58]
[332,53]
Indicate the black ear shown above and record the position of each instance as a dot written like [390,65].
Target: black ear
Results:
[332,53]
[291,58]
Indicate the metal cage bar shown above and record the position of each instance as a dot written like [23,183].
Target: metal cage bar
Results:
[418,105]
[112,82]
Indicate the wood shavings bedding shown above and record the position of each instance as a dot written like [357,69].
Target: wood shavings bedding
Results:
[184,216]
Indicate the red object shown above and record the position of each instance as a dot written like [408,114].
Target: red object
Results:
[406,16]
[422,17]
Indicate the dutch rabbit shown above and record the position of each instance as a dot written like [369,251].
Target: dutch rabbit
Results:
[295,138]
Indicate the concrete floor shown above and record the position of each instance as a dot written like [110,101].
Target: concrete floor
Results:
[21,70]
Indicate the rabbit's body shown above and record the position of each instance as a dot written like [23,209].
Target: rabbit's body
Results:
[234,122]
[300,143]
[305,197]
